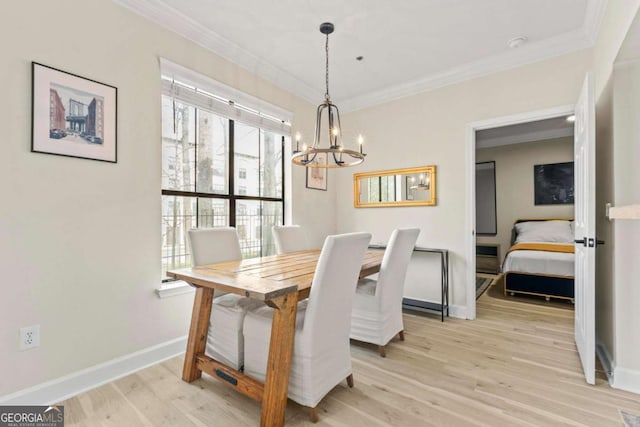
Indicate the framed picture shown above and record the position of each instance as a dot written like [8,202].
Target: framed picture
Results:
[486,205]
[317,177]
[73,116]
[553,184]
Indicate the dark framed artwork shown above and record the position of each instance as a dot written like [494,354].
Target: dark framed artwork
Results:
[73,116]
[553,184]
[317,177]
[486,210]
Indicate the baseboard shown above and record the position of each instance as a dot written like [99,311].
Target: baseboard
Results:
[457,311]
[62,388]
[605,359]
[626,379]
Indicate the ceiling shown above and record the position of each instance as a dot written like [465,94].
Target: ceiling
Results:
[540,130]
[408,46]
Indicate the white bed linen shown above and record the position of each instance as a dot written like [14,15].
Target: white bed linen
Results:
[539,262]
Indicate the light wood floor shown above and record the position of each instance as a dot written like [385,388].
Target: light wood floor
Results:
[515,365]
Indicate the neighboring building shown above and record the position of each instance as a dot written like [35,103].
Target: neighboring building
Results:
[95,118]
[56,111]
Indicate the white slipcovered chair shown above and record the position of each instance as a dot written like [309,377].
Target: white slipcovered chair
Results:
[321,353]
[225,341]
[377,308]
[289,238]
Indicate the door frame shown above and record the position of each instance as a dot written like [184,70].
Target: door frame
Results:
[470,186]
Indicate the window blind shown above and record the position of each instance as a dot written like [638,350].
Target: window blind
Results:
[186,85]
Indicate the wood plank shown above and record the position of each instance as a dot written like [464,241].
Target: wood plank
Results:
[279,363]
[198,330]
[235,379]
[515,365]
[253,287]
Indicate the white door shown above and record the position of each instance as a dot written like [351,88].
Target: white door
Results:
[585,228]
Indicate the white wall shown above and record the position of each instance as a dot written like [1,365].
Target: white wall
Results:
[617,134]
[429,129]
[515,184]
[79,239]
[626,158]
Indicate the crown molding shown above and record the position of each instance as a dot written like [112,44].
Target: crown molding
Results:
[173,20]
[593,19]
[536,136]
[528,54]
[170,18]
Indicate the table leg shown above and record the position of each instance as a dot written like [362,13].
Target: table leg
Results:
[274,399]
[197,333]
[446,282]
[442,297]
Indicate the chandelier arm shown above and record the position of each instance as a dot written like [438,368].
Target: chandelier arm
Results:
[316,139]
[339,136]
[332,142]
[337,161]
[312,159]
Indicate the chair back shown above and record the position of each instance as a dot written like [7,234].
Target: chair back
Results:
[213,245]
[328,314]
[393,269]
[289,238]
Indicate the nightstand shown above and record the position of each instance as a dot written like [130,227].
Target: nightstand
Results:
[488,258]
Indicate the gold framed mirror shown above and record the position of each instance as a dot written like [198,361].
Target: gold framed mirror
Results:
[395,187]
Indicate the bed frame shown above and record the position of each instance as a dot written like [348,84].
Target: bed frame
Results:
[544,285]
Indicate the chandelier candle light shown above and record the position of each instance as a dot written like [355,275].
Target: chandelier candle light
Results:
[338,154]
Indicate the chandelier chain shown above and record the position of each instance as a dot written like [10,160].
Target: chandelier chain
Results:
[326,49]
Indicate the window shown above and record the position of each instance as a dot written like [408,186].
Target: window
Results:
[382,189]
[204,156]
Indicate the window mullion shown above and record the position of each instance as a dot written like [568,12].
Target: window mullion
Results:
[195,164]
[282,187]
[260,166]
[232,174]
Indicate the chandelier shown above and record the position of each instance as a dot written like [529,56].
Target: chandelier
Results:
[337,154]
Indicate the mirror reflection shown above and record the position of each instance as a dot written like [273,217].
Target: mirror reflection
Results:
[397,187]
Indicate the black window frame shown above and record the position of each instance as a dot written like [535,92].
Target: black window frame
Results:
[231,196]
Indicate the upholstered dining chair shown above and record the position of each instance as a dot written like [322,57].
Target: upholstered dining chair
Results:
[225,341]
[321,352]
[377,308]
[289,238]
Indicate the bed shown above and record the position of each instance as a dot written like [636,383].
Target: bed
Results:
[541,259]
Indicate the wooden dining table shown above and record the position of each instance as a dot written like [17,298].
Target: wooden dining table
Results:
[280,281]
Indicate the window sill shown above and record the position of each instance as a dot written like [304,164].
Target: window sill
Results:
[171,289]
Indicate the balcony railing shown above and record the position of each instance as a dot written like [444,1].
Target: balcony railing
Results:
[254,232]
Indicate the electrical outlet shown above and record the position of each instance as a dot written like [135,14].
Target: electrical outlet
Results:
[29,337]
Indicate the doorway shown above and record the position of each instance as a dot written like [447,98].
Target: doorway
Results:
[471,142]
[524,176]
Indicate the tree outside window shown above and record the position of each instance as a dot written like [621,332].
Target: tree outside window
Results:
[198,188]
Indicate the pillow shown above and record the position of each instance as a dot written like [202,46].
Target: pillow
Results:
[544,231]
[572,224]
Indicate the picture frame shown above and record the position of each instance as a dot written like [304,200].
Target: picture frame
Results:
[486,201]
[317,177]
[553,184]
[73,116]
[404,187]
